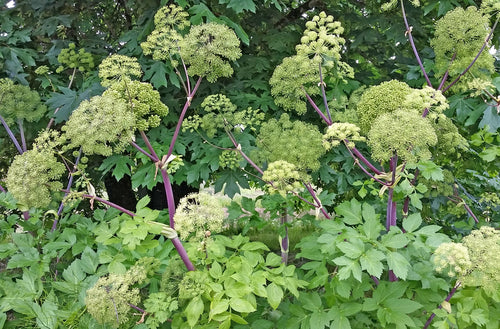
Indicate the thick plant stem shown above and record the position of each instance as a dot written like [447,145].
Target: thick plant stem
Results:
[316,108]
[11,135]
[21,132]
[170,197]
[140,149]
[391,206]
[450,295]
[2,189]
[316,200]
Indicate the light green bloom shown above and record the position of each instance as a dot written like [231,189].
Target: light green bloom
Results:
[340,132]
[18,102]
[284,177]
[102,125]
[208,48]
[198,215]
[405,132]
[116,67]
[452,259]
[33,176]
[70,58]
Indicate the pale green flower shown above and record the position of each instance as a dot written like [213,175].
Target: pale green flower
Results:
[116,67]
[284,177]
[18,102]
[339,132]
[453,259]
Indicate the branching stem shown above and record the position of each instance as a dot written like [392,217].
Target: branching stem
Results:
[11,135]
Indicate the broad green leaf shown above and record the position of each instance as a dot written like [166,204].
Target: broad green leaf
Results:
[119,163]
[237,29]
[193,310]
[311,301]
[352,249]
[219,306]
[491,119]
[3,318]
[415,200]
[371,262]
[215,270]
[274,295]
[348,309]
[273,260]
[394,240]
[241,305]
[479,316]
[242,5]
[231,182]
[255,245]
[349,266]
[157,74]
[412,222]
[29,257]
[46,315]
[398,264]
[350,211]
[372,228]
[320,319]
[401,305]
[430,170]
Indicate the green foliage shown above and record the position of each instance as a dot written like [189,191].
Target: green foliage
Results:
[295,142]
[102,125]
[19,102]
[207,48]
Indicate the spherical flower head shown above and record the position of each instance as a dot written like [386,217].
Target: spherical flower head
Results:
[383,98]
[459,36]
[295,142]
[490,7]
[229,159]
[197,214]
[291,80]
[345,132]
[102,125]
[33,176]
[18,102]
[484,250]
[141,99]
[219,111]
[208,48]
[450,142]
[117,67]
[452,259]
[403,132]
[194,283]
[108,300]
[285,178]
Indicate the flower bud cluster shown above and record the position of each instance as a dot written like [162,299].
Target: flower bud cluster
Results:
[321,40]
[426,98]
[284,177]
[229,159]
[70,58]
[18,102]
[295,142]
[197,214]
[452,259]
[116,67]
[342,132]
[194,283]
[102,125]
[163,42]
[142,100]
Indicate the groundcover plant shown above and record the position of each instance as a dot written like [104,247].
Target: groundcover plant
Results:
[344,158]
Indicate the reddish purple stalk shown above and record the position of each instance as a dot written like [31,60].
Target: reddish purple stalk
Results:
[450,295]
[2,189]
[11,135]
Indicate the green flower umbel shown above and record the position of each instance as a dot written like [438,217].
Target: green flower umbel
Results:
[18,102]
[116,67]
[33,176]
[102,125]
[208,48]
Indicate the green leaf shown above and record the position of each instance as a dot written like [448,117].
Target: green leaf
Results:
[29,257]
[274,295]
[219,306]
[320,319]
[352,249]
[351,212]
[89,261]
[231,182]
[241,5]
[479,317]
[193,310]
[491,119]
[69,100]
[46,315]
[401,305]
[341,323]
[371,262]
[119,163]
[349,266]
[273,260]
[157,74]
[255,245]
[415,200]
[372,228]
[395,239]
[412,222]
[3,318]
[241,305]
[237,29]
[430,170]
[398,264]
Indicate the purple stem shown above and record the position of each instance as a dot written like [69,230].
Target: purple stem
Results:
[475,58]
[284,241]
[318,203]
[137,308]
[170,196]
[2,189]
[445,76]
[358,154]
[467,208]
[152,152]
[450,295]
[134,144]
[316,108]
[238,148]
[181,118]
[68,187]
[11,135]
[412,43]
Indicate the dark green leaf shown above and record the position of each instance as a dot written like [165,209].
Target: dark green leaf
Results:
[351,212]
